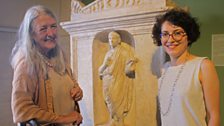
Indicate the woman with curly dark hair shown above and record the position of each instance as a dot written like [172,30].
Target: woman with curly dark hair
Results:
[189,86]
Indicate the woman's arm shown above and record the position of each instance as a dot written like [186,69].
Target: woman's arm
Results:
[210,83]
[76,92]
[23,106]
[23,96]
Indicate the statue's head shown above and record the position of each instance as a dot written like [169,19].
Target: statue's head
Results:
[114,39]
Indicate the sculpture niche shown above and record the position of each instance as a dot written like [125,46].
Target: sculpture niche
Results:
[117,73]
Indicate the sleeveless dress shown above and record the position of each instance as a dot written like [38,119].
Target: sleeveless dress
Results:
[185,99]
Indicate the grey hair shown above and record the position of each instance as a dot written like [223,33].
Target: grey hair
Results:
[25,44]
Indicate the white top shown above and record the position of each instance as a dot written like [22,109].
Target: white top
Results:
[187,107]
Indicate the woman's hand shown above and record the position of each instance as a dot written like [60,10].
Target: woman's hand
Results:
[76,93]
[73,117]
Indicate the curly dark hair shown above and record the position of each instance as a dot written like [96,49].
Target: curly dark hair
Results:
[178,17]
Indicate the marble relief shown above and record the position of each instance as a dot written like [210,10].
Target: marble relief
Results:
[89,28]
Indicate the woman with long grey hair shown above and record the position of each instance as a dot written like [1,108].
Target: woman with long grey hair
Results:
[43,86]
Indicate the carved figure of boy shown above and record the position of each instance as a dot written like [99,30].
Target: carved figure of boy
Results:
[117,73]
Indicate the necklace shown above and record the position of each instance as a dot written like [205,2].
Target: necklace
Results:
[45,59]
[164,113]
[48,63]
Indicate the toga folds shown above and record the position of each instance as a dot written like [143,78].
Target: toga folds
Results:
[117,79]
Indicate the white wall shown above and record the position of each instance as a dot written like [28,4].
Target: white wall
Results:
[11,15]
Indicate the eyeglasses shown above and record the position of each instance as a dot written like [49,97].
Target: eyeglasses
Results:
[176,35]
